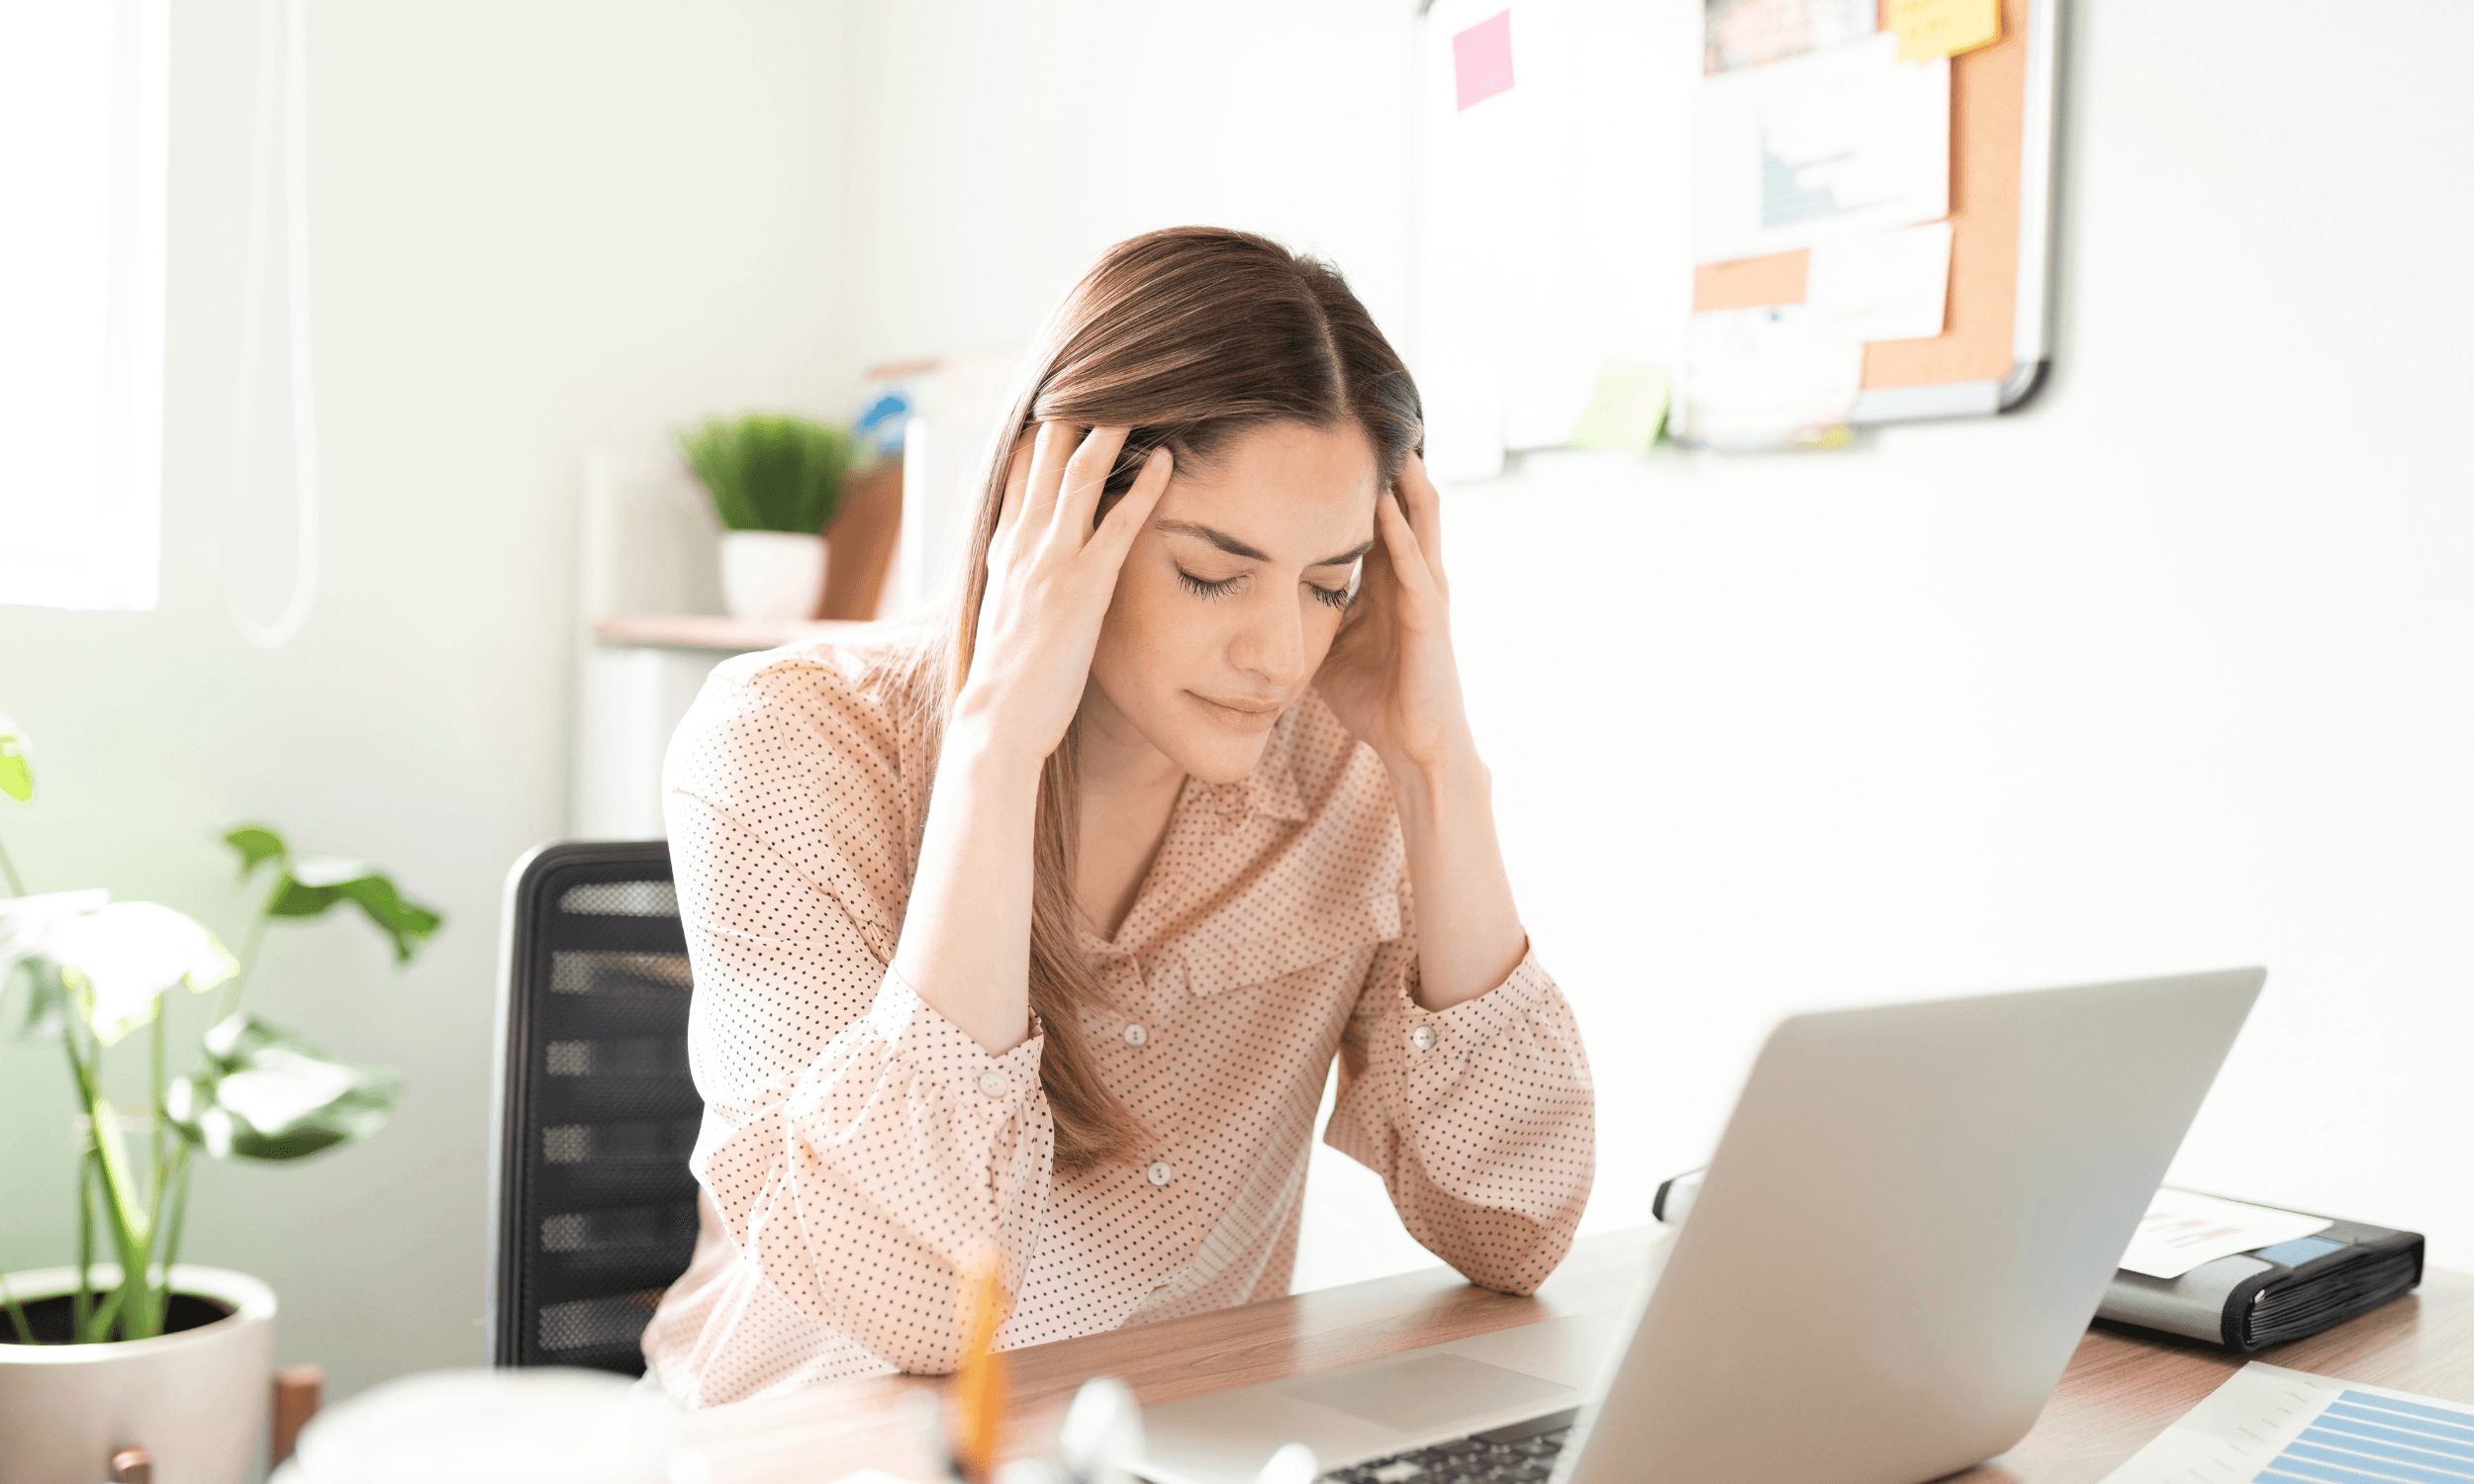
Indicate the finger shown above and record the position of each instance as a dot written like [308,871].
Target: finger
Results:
[1116,534]
[1017,481]
[1048,460]
[1425,504]
[1400,544]
[1085,475]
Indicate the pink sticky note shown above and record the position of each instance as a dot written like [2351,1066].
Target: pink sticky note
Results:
[1481,60]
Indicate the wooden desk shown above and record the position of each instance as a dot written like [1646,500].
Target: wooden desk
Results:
[2117,1393]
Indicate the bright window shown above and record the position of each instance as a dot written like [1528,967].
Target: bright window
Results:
[83,87]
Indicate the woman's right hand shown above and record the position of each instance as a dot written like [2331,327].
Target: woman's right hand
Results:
[1050,578]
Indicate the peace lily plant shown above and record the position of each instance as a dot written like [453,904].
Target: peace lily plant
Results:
[98,972]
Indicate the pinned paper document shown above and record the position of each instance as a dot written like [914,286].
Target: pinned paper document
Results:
[1941,27]
[1625,411]
[1481,60]
[2184,1228]
[1747,33]
[1837,143]
[1769,378]
[1890,286]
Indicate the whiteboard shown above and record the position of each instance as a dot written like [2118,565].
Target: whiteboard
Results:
[1553,221]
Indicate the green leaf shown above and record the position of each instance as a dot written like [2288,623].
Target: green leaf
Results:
[271,1094]
[315,883]
[43,1003]
[256,844]
[17,773]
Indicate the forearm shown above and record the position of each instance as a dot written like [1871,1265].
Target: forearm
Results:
[966,936]
[1469,932]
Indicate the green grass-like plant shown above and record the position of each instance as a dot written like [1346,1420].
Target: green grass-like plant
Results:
[769,471]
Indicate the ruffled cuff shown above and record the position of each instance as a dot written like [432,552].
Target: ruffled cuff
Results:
[1431,1049]
[947,1058]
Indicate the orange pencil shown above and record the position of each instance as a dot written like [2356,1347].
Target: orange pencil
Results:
[979,1386]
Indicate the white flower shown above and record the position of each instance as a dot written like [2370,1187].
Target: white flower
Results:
[123,957]
[28,923]
[282,1087]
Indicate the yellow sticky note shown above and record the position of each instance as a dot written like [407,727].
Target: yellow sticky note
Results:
[1927,28]
[1626,408]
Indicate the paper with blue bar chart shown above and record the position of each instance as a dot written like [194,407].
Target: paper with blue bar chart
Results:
[2285,1426]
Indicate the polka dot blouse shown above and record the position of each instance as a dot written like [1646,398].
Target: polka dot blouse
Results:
[858,1147]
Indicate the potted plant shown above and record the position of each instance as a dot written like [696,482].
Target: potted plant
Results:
[129,1347]
[776,481]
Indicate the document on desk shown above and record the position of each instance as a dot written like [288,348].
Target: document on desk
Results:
[2183,1229]
[2286,1426]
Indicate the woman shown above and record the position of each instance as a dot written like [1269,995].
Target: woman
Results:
[1032,941]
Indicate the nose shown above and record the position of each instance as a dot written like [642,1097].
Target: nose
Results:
[1271,643]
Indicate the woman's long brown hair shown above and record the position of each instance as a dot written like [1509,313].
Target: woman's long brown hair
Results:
[1188,336]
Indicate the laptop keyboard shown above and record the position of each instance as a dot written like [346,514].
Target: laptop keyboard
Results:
[1523,1453]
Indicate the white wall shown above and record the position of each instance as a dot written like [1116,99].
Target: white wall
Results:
[537,230]
[2167,672]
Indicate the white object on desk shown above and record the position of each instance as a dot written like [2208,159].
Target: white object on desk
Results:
[1102,1431]
[2181,1231]
[2266,1416]
[497,1426]
[2184,1228]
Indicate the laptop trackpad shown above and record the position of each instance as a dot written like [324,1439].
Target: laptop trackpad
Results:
[1428,1392]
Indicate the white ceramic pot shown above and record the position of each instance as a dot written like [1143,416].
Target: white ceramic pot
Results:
[196,1400]
[771,574]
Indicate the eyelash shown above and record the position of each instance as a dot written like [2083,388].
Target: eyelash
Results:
[1330,597]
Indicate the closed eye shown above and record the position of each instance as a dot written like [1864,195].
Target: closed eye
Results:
[1206,587]
[1202,588]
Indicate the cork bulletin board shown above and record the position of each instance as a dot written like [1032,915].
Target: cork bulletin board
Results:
[1995,343]
[1603,221]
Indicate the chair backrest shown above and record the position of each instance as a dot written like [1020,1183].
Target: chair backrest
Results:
[592,1211]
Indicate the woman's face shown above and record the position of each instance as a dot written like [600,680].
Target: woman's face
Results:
[1232,593]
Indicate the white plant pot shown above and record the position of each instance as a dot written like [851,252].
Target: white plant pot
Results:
[771,575]
[196,1400]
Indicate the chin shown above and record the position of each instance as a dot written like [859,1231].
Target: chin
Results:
[1214,760]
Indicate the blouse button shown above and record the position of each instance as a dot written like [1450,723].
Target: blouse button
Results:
[1160,1173]
[995,1085]
[1422,1036]
[1135,1035]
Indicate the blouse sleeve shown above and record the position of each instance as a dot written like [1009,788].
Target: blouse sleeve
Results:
[858,1146]
[1480,1118]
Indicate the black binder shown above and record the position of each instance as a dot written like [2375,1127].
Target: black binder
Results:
[2271,1294]
[2242,1303]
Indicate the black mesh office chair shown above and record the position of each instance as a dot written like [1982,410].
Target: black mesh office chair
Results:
[592,1211]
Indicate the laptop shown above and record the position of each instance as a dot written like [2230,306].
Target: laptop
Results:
[1908,1224]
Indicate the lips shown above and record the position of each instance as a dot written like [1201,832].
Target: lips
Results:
[1245,713]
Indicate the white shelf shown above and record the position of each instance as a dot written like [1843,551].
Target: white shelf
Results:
[712,632]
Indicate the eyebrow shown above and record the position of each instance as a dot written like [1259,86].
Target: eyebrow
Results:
[1234,547]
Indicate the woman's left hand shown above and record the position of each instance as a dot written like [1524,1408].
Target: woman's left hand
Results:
[1389,676]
